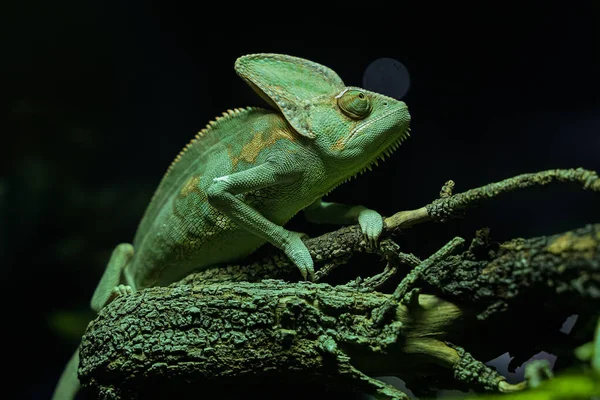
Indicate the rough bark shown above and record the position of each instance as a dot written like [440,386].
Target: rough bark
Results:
[522,290]
[156,342]
[188,337]
[238,326]
[563,269]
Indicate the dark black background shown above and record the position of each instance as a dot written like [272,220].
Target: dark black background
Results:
[100,96]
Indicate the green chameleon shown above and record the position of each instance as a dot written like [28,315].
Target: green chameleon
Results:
[235,185]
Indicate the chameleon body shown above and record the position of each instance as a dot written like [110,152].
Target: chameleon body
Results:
[235,185]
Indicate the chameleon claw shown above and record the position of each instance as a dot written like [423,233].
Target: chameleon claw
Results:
[121,290]
[371,225]
[311,274]
[303,272]
[374,240]
[298,253]
[307,272]
[371,238]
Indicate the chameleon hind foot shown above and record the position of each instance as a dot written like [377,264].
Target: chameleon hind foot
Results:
[110,285]
[120,290]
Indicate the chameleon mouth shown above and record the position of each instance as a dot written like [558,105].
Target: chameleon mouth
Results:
[359,128]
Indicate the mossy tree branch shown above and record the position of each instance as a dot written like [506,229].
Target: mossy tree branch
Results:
[308,333]
[228,326]
[160,340]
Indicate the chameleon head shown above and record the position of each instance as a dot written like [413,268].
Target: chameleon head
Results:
[348,126]
[361,127]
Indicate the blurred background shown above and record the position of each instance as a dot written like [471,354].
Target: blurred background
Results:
[99,97]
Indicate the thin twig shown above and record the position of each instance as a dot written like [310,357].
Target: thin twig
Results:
[419,271]
[447,207]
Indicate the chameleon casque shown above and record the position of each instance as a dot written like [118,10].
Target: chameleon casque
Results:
[235,185]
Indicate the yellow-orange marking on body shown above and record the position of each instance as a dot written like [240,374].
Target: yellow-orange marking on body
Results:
[191,185]
[339,145]
[259,142]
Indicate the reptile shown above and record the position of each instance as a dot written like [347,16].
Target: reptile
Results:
[237,183]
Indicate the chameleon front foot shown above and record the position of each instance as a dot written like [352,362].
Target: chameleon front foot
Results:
[371,225]
[295,249]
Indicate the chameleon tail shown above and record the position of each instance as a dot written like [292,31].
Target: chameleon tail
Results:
[68,384]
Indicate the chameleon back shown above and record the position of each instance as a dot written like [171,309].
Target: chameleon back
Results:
[180,230]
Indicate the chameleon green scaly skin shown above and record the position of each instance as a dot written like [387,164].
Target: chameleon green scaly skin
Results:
[246,174]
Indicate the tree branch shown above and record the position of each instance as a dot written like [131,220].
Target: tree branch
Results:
[244,334]
[448,205]
[230,327]
[222,334]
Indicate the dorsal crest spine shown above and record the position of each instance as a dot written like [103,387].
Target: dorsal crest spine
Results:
[226,116]
[207,136]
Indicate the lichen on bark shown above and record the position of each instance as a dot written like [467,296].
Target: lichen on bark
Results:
[157,340]
[252,327]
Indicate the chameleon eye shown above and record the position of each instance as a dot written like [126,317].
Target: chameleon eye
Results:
[354,103]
